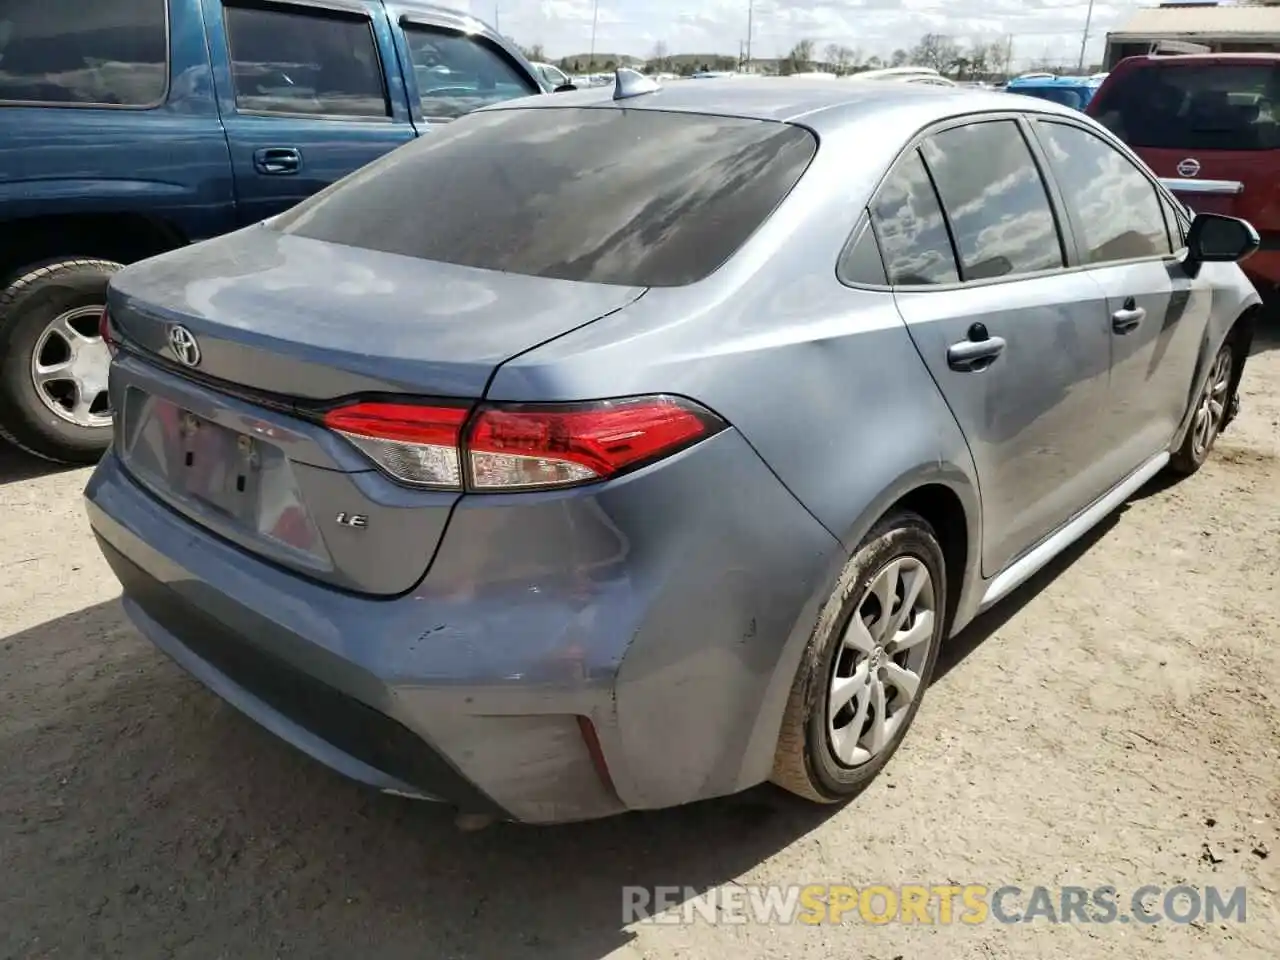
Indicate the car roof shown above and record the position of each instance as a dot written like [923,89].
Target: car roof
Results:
[445,16]
[1175,59]
[1055,82]
[819,102]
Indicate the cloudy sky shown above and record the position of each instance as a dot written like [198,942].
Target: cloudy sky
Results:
[1042,28]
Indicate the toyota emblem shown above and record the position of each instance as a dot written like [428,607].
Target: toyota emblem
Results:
[184,345]
[1188,167]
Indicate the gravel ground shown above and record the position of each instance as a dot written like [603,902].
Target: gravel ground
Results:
[1117,722]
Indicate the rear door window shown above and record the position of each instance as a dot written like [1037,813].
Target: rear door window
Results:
[995,199]
[908,221]
[1117,208]
[305,61]
[77,52]
[457,73]
[1211,106]
[631,197]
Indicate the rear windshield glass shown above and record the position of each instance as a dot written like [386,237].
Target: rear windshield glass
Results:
[633,197]
[1219,106]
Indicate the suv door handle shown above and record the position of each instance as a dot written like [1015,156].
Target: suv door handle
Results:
[976,353]
[277,161]
[1128,318]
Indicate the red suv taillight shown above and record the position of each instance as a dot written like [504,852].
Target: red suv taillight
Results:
[505,447]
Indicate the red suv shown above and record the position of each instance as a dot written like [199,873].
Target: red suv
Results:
[1209,126]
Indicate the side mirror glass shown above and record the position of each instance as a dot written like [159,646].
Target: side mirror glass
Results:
[565,88]
[1214,238]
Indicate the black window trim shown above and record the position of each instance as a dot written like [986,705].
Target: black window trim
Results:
[422,23]
[1066,233]
[349,10]
[87,105]
[1161,194]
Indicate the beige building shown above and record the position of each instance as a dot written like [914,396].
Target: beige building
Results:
[1233,28]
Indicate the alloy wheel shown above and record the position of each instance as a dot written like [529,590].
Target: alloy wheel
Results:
[69,368]
[1212,407]
[876,674]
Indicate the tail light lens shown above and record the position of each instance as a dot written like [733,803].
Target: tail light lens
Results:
[104,330]
[509,447]
[416,444]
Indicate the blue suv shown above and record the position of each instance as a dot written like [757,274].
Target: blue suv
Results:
[132,127]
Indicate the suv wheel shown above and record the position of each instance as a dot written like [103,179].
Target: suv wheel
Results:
[867,665]
[53,363]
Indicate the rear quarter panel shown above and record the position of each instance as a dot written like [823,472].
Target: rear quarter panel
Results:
[821,379]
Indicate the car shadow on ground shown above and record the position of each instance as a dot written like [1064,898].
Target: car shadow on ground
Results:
[1266,335]
[16,465]
[144,817]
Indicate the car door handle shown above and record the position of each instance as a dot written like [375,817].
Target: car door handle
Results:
[277,161]
[975,354]
[1128,318]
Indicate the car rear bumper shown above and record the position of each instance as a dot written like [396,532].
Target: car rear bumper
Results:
[659,616]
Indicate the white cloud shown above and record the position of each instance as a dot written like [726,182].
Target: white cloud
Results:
[1048,29]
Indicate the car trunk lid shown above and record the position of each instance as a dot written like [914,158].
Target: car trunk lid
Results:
[229,431]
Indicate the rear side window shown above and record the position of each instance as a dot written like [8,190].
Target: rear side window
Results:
[995,199]
[305,61]
[1210,106]
[88,52]
[457,73]
[633,197]
[1117,207]
[861,262]
[912,232]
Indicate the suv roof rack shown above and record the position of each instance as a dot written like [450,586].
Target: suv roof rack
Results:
[1174,48]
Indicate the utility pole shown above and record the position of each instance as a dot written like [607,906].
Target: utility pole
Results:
[751,9]
[1084,41]
[595,18]
[1008,58]
[497,26]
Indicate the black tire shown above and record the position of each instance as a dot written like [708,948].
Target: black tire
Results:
[27,305]
[805,762]
[1194,449]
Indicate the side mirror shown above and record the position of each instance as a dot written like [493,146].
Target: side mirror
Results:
[565,88]
[1214,238]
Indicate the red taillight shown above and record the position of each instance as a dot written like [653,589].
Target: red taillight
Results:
[416,444]
[104,330]
[521,446]
[525,446]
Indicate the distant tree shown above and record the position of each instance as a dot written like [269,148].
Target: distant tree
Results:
[981,57]
[799,60]
[874,62]
[936,51]
[611,64]
[660,57]
[840,59]
[899,58]
[536,53]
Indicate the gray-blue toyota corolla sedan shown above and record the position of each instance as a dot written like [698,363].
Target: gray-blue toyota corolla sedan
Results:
[616,449]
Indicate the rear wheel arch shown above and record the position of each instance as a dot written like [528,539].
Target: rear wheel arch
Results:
[123,238]
[942,507]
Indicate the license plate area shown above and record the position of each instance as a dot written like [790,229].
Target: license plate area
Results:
[193,459]
[219,467]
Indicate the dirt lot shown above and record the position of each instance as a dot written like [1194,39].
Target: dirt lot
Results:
[1117,722]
